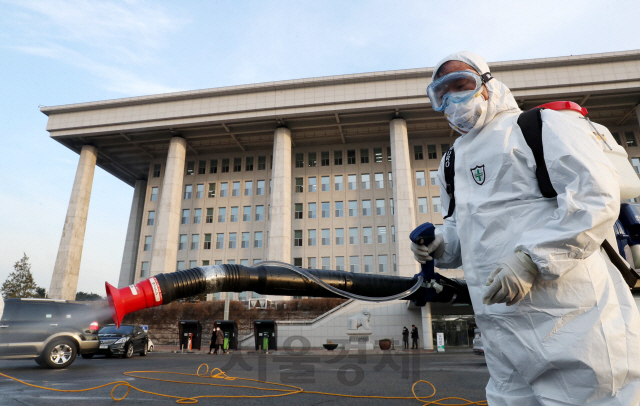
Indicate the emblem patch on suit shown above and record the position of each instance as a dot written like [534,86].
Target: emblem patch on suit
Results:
[478,174]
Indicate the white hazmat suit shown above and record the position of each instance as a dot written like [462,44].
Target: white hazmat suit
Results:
[575,338]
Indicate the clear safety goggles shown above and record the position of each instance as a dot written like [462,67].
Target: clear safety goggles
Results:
[455,87]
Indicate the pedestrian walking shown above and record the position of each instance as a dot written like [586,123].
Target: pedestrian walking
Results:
[219,341]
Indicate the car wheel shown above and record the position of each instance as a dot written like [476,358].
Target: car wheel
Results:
[144,350]
[128,352]
[151,348]
[59,353]
[87,356]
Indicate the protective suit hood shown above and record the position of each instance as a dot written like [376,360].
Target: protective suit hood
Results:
[500,97]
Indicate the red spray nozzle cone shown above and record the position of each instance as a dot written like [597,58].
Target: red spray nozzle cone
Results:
[132,298]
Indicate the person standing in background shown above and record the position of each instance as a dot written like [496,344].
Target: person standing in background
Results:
[414,337]
[405,338]
[219,341]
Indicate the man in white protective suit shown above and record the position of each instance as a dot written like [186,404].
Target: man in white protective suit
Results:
[559,324]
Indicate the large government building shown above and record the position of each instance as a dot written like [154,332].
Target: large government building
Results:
[331,172]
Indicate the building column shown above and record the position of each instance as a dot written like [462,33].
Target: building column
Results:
[280,224]
[165,244]
[427,327]
[67,268]
[130,256]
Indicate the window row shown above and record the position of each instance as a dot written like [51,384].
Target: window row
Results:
[338,209]
[355,266]
[421,181]
[227,164]
[351,158]
[180,265]
[222,192]
[193,243]
[338,182]
[221,217]
[418,151]
[423,204]
[339,236]
[629,138]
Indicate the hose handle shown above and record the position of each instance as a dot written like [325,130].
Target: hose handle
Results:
[424,234]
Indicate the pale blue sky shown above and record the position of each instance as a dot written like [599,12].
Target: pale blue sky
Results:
[56,52]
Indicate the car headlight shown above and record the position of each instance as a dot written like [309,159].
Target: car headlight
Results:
[122,340]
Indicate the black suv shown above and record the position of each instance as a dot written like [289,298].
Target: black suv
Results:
[123,341]
[50,331]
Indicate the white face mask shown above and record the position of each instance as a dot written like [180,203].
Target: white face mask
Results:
[464,116]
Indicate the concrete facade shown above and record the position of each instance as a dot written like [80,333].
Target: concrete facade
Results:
[130,255]
[67,268]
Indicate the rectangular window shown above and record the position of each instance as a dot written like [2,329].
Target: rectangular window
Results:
[420,180]
[382,234]
[312,159]
[380,209]
[392,209]
[197,215]
[154,194]
[262,163]
[205,262]
[222,214]
[218,262]
[444,148]
[182,244]
[248,188]
[379,179]
[246,213]
[631,139]
[364,155]
[297,211]
[259,213]
[156,170]
[395,268]
[326,263]
[299,185]
[616,137]
[352,181]
[366,207]
[337,157]
[390,180]
[224,186]
[377,155]
[260,188]
[311,241]
[437,206]
[244,243]
[338,182]
[389,154]
[202,167]
[339,212]
[199,190]
[152,218]
[434,178]
[368,263]
[237,164]
[297,262]
[393,233]
[324,158]
[212,190]
[147,243]
[185,216]
[234,214]
[209,218]
[431,151]
[180,266]
[326,236]
[354,266]
[299,160]
[312,184]
[188,189]
[636,164]
[367,235]
[423,205]
[248,164]
[417,153]
[324,180]
[353,236]
[351,156]
[383,265]
[353,208]
[257,239]
[365,181]
[326,209]
[232,240]
[213,166]
[144,270]
[297,238]
[225,165]
[207,242]
[195,241]
[339,263]
[312,211]
[311,263]
[191,168]
[339,236]
[236,189]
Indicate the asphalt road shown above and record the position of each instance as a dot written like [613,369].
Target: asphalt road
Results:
[460,374]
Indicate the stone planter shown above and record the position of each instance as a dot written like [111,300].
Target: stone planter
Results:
[330,347]
[384,344]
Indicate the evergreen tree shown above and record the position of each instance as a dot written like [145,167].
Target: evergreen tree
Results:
[20,283]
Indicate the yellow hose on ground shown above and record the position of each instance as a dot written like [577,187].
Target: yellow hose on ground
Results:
[217,373]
